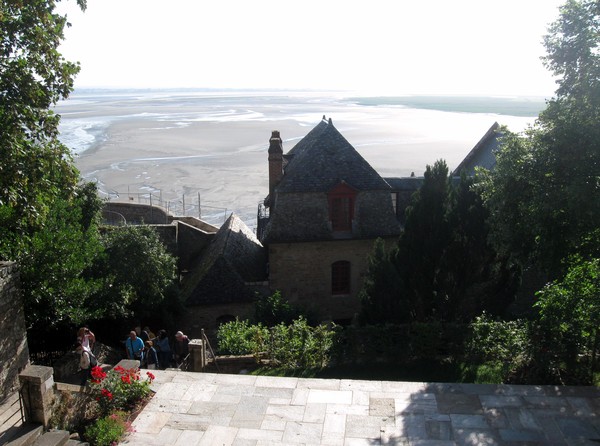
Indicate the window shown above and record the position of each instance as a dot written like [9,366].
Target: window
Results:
[340,277]
[341,207]
[341,219]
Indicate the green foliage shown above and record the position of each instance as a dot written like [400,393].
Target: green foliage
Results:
[36,168]
[498,348]
[569,315]
[291,347]
[300,346]
[119,389]
[274,309]
[497,340]
[443,267]
[108,430]
[382,296]
[56,262]
[544,193]
[139,274]
[242,338]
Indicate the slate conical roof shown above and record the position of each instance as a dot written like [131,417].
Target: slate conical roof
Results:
[322,159]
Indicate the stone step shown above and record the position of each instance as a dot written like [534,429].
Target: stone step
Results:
[25,435]
[76,443]
[53,438]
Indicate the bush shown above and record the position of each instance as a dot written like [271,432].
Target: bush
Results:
[294,346]
[499,347]
[241,338]
[119,389]
[108,430]
[300,346]
[275,309]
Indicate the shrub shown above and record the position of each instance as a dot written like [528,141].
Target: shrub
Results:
[241,338]
[300,346]
[275,309]
[501,345]
[119,389]
[108,430]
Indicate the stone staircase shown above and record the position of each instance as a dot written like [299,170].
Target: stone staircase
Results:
[13,432]
[35,436]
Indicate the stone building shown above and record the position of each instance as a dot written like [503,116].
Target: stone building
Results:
[223,280]
[325,208]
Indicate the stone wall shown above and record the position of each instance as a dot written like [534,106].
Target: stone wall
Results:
[14,353]
[168,236]
[302,272]
[134,213]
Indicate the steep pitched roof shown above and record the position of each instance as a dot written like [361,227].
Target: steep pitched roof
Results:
[234,257]
[482,154]
[322,159]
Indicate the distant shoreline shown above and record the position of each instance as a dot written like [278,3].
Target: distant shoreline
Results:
[511,106]
[524,106]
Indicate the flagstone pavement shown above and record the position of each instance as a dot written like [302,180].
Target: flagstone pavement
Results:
[218,409]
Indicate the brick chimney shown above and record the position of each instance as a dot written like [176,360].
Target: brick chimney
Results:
[275,162]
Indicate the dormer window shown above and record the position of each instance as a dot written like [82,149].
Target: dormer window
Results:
[341,207]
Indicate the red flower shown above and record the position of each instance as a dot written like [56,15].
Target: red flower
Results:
[98,374]
[106,393]
[151,376]
[125,379]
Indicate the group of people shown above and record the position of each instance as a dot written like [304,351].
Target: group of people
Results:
[156,351]
[152,351]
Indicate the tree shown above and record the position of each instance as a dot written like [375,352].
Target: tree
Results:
[57,261]
[443,267]
[569,313]
[36,168]
[474,276]
[544,193]
[423,241]
[383,295]
[137,271]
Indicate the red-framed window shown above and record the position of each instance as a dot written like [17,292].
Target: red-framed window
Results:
[340,277]
[341,207]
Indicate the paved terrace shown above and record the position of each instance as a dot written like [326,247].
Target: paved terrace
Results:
[210,409]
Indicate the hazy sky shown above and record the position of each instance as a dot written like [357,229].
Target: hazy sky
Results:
[375,46]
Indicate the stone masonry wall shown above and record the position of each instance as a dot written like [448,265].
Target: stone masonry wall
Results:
[14,353]
[135,213]
[302,272]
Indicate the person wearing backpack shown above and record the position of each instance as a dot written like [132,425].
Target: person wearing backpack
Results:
[87,360]
[135,347]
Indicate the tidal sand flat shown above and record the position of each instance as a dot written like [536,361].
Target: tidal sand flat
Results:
[207,151]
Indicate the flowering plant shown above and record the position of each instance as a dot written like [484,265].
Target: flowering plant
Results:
[108,430]
[119,389]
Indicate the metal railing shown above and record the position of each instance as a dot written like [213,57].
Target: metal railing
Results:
[185,205]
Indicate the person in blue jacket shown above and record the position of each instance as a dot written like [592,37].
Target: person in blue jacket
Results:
[134,347]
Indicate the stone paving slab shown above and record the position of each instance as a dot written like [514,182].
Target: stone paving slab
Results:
[241,410]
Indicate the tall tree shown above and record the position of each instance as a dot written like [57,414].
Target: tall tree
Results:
[35,167]
[423,241]
[383,295]
[544,194]
[443,267]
